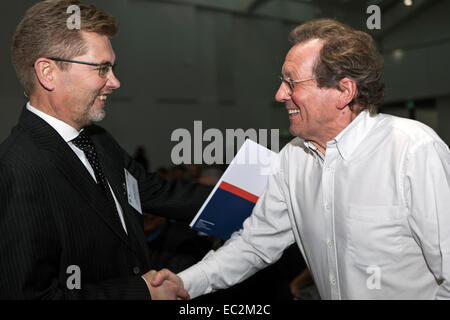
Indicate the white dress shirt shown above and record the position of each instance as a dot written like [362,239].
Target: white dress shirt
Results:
[371,217]
[68,133]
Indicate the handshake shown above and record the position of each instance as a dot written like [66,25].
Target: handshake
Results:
[165,285]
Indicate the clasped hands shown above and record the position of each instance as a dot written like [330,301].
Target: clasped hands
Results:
[165,285]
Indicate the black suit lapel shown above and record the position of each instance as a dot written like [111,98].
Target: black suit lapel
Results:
[63,157]
[115,174]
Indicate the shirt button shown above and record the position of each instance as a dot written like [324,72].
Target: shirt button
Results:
[330,243]
[136,270]
[333,281]
[327,206]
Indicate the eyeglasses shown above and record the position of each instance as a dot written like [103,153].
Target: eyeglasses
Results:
[103,68]
[291,83]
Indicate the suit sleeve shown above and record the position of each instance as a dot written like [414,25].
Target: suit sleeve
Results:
[30,246]
[171,199]
[174,200]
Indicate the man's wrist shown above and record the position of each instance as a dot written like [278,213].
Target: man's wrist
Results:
[194,280]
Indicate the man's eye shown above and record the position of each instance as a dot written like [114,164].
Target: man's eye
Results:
[104,69]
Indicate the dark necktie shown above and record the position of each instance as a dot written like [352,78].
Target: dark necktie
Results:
[85,143]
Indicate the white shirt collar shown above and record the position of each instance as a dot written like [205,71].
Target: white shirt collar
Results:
[348,139]
[66,131]
[312,147]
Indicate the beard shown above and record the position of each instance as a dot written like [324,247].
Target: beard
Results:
[90,113]
[96,114]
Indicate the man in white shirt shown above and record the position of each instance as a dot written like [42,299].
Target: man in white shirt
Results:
[365,196]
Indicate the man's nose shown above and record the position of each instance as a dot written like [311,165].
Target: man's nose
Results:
[113,82]
[282,94]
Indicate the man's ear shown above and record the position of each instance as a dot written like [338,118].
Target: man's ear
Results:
[46,71]
[348,90]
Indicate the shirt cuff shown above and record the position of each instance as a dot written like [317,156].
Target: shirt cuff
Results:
[195,281]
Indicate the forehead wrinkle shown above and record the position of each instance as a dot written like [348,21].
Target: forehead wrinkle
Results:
[286,73]
[290,70]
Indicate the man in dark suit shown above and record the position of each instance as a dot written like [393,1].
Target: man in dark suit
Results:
[70,217]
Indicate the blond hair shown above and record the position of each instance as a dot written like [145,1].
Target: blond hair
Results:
[43,32]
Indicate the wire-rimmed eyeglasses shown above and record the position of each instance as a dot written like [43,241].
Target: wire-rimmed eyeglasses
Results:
[103,68]
[291,83]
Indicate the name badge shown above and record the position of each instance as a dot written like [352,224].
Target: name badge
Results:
[133,191]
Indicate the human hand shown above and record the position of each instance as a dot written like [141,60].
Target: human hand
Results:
[301,281]
[165,285]
[167,275]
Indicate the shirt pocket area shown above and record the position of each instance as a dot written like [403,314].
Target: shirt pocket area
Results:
[375,234]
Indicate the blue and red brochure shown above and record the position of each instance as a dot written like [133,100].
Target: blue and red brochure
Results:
[234,196]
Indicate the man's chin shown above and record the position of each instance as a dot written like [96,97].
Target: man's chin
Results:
[293,130]
[297,133]
[97,116]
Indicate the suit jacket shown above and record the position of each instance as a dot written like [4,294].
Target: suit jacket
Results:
[53,215]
